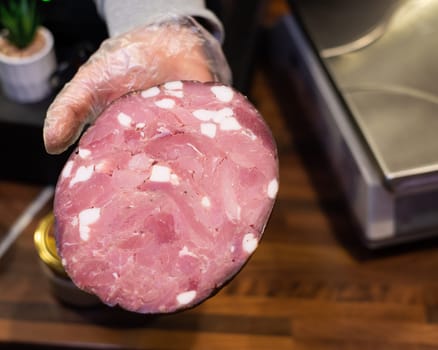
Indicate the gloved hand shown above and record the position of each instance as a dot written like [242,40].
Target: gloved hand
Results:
[177,48]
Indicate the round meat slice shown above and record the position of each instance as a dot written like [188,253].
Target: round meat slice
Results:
[166,196]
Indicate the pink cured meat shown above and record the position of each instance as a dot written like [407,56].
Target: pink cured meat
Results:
[166,196]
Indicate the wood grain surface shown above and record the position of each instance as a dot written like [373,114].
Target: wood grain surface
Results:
[310,285]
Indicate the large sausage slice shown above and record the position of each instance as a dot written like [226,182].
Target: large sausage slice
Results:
[166,196]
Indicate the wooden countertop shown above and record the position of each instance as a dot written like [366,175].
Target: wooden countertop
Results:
[310,285]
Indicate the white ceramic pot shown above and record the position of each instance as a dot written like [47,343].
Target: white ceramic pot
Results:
[27,79]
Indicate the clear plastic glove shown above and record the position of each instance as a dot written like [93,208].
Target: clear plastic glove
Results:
[177,48]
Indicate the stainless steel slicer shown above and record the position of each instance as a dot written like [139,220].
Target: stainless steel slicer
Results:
[371,72]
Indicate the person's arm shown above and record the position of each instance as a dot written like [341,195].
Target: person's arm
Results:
[174,47]
[123,16]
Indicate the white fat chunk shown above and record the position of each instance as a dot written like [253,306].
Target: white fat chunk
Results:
[173,85]
[124,119]
[165,103]
[82,174]
[222,114]
[186,297]
[230,124]
[86,218]
[151,92]
[160,173]
[89,216]
[218,116]
[66,172]
[140,125]
[205,201]
[204,114]
[84,153]
[273,188]
[84,233]
[208,129]
[223,93]
[174,179]
[249,243]
[163,131]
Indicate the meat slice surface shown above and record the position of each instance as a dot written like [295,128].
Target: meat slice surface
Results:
[166,196]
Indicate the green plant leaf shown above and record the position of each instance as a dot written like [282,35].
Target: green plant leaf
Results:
[21,20]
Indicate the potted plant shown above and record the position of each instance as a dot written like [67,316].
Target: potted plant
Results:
[27,57]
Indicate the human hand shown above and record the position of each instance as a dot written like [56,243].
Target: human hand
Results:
[175,49]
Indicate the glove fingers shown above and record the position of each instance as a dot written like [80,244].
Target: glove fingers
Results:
[134,61]
[67,116]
